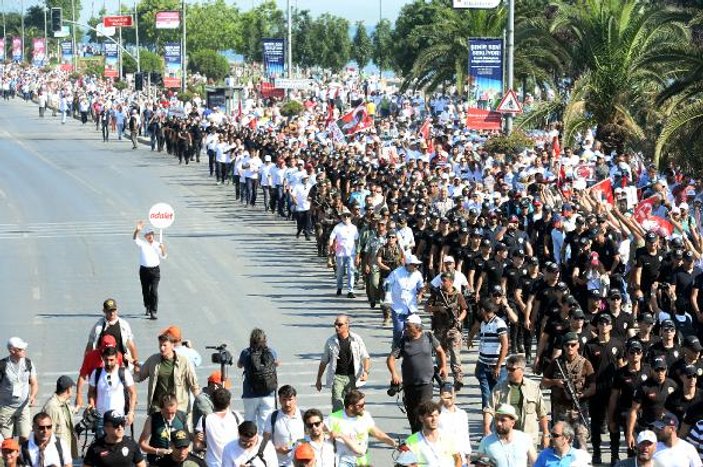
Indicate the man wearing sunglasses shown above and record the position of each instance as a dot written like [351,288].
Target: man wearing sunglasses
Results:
[114,449]
[560,451]
[322,446]
[43,448]
[112,388]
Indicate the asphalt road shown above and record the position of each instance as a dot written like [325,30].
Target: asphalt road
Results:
[68,205]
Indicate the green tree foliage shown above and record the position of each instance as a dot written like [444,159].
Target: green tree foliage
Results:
[331,35]
[407,43]
[214,25]
[264,21]
[362,48]
[304,47]
[149,61]
[382,45]
[209,63]
[149,36]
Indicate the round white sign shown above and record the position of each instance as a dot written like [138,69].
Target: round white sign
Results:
[161,215]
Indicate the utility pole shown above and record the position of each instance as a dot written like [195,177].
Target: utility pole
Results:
[4,32]
[183,51]
[22,14]
[46,42]
[136,35]
[121,46]
[380,65]
[510,57]
[74,47]
[290,40]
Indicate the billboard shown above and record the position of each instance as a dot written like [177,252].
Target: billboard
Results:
[485,72]
[274,57]
[174,67]
[17,55]
[2,49]
[38,51]
[67,56]
[475,3]
[168,19]
[111,60]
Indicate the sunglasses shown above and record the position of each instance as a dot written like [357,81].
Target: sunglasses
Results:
[512,369]
[556,435]
[339,325]
[572,344]
[313,424]
[44,427]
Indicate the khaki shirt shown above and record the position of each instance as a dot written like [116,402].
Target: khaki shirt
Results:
[183,377]
[533,405]
[62,417]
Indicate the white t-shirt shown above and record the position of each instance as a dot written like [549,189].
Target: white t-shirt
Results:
[457,423]
[346,236]
[110,391]
[289,429]
[234,455]
[512,454]
[357,428]
[681,454]
[149,253]
[220,432]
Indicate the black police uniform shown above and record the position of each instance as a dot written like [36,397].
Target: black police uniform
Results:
[126,453]
[625,382]
[652,397]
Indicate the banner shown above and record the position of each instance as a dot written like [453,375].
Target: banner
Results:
[38,51]
[648,221]
[67,56]
[111,60]
[603,191]
[168,20]
[2,49]
[485,72]
[355,121]
[334,132]
[479,119]
[17,55]
[274,57]
[174,68]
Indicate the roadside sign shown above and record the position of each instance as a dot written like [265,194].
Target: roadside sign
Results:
[122,21]
[475,3]
[105,31]
[285,83]
[510,104]
[161,216]
[64,32]
[168,20]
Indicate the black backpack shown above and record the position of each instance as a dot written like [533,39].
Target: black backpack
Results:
[120,372]
[261,371]
[3,366]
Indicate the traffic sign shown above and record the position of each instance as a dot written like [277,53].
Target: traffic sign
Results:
[510,104]
[287,83]
[105,31]
[475,3]
[122,21]
[64,32]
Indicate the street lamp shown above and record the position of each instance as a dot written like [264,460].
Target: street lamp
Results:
[46,43]
[22,15]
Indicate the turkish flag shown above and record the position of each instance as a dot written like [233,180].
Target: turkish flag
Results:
[604,191]
[425,130]
[355,121]
[556,148]
[643,215]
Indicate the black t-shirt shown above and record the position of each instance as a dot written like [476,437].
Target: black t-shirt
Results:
[650,264]
[693,414]
[527,284]
[513,277]
[345,360]
[676,371]
[677,404]
[671,354]
[626,381]
[191,461]
[555,328]
[115,331]
[684,281]
[606,252]
[546,295]
[126,453]
[604,357]
[418,358]
[652,396]
[622,324]
[494,272]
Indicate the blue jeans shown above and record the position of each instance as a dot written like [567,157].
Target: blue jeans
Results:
[398,325]
[486,381]
[345,264]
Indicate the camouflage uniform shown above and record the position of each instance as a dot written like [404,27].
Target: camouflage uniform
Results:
[445,308]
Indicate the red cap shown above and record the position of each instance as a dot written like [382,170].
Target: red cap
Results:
[108,340]
[10,443]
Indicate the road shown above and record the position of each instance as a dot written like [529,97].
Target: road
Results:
[68,205]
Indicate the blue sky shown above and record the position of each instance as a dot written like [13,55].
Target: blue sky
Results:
[353,10]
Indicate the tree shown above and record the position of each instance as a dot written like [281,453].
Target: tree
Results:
[93,22]
[406,41]
[362,48]
[149,36]
[214,24]
[304,47]
[331,34]
[149,61]
[382,45]
[264,21]
[209,63]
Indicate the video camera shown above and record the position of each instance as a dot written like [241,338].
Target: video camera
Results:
[222,356]
[89,422]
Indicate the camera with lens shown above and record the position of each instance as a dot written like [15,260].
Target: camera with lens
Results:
[222,356]
[89,422]
[394,389]
[664,286]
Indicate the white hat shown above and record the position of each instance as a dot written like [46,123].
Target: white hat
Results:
[267,158]
[414,319]
[16,343]
[683,206]
[412,259]
[448,259]
[507,410]
[647,435]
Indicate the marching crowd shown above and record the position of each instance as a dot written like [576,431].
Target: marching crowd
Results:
[575,271]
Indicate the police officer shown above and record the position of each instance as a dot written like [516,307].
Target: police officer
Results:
[571,370]
[648,400]
[510,282]
[667,347]
[626,380]
[448,310]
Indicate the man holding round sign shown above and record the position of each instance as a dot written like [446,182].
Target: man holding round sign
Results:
[151,252]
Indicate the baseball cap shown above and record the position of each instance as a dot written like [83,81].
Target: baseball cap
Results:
[412,259]
[692,342]
[667,323]
[533,260]
[304,452]
[578,313]
[109,304]
[448,259]
[215,377]
[507,410]
[650,236]
[646,318]
[64,382]
[114,417]
[570,337]
[518,253]
[615,293]
[108,340]
[634,344]
[173,331]
[500,247]
[10,444]
[17,343]
[180,439]
[562,287]
[604,317]
[690,370]
[647,435]
[659,364]
[414,319]
[148,231]
[667,419]
[392,233]
[552,267]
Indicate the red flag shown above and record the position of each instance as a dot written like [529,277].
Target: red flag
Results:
[425,130]
[604,191]
[355,121]
[648,221]
[330,114]
[252,123]
[556,148]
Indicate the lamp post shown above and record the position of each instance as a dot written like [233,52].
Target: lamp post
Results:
[290,40]
[22,15]
[74,47]
[510,57]
[46,42]
[183,51]
[136,35]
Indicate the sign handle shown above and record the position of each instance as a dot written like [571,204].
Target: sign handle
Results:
[161,235]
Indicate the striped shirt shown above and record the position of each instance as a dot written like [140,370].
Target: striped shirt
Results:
[489,340]
[695,437]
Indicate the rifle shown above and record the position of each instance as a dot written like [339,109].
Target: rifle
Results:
[571,392]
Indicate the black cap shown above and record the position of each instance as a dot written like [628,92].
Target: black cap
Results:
[690,370]
[114,417]
[552,267]
[496,290]
[476,233]
[533,260]
[634,344]
[659,363]
[646,318]
[64,382]
[667,323]
[614,293]
[692,342]
[570,337]
[485,242]
[518,253]
[604,317]
[180,439]
[594,294]
[577,313]
[500,247]
[562,287]
[650,236]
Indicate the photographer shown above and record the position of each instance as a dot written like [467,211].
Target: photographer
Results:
[417,349]
[448,310]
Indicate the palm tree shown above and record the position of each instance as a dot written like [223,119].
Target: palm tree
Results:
[613,47]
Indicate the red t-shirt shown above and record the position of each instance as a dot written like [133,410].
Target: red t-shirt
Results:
[92,361]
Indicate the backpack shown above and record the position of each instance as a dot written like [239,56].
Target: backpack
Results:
[259,453]
[261,371]
[3,366]
[25,458]
[274,417]
[120,372]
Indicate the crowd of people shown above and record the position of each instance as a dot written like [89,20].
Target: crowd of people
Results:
[575,271]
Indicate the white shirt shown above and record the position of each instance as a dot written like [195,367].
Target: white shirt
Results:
[404,287]
[255,164]
[681,454]
[289,429]
[221,431]
[324,452]
[51,454]
[460,281]
[300,193]
[235,456]
[346,236]
[149,253]
[457,423]
[109,389]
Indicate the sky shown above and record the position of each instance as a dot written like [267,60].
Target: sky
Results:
[353,10]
